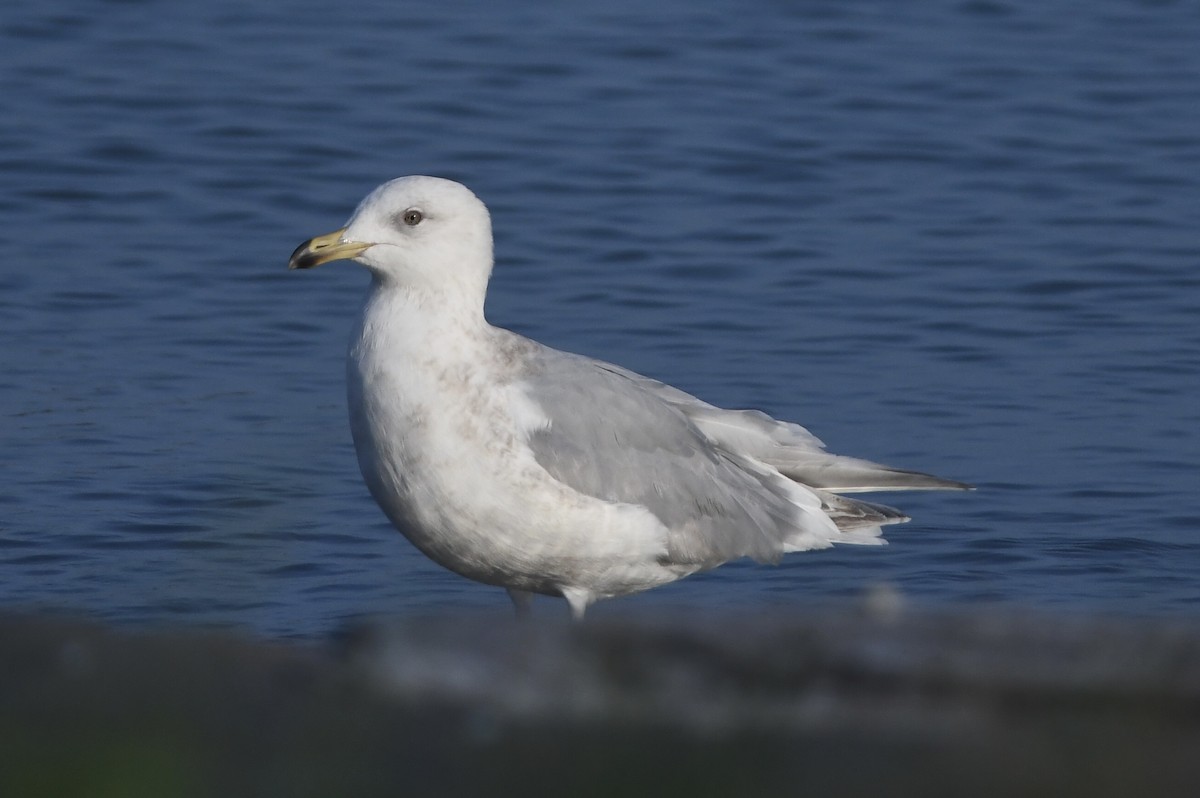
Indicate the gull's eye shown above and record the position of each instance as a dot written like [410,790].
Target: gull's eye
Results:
[412,217]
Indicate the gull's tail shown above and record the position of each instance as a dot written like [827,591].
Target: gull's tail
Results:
[851,515]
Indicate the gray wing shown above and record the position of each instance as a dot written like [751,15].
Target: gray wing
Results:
[611,438]
[793,450]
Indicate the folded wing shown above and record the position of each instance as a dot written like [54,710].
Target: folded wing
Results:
[725,483]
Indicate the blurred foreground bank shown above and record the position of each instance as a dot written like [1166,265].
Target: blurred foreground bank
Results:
[839,703]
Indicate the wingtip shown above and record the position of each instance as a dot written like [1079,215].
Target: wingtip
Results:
[950,484]
[895,480]
[918,480]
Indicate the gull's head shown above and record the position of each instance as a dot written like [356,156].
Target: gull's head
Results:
[411,230]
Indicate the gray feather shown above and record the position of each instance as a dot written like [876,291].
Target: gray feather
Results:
[623,445]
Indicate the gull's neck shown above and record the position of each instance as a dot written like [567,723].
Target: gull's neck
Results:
[423,323]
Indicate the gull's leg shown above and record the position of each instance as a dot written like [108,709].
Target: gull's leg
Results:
[579,600]
[521,600]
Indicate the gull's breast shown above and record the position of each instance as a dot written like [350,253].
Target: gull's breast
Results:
[444,452]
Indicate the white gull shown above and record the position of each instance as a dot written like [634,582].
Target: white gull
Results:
[541,471]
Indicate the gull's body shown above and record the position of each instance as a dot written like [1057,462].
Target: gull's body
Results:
[545,472]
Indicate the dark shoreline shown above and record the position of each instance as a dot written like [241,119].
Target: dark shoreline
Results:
[914,703]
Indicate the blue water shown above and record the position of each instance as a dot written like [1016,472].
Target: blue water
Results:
[962,237]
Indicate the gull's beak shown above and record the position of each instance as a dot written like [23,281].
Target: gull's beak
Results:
[323,249]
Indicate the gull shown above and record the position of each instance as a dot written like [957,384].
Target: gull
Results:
[545,472]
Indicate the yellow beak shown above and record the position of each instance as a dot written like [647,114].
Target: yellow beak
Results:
[323,249]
